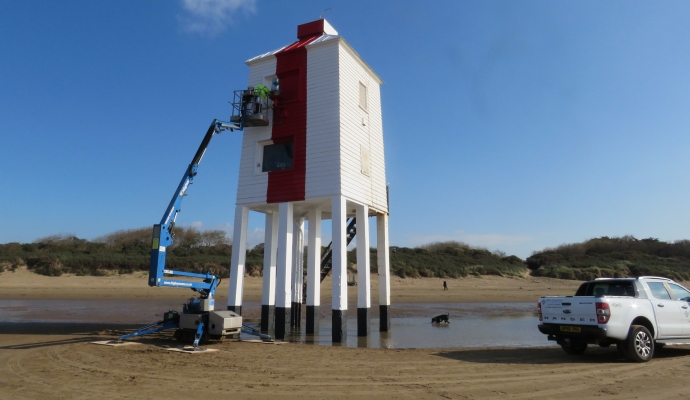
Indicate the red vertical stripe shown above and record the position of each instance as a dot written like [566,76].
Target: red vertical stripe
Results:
[291,68]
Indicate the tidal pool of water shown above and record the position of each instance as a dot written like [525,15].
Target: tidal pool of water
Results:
[471,324]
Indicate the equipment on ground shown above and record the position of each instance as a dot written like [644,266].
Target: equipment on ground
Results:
[198,321]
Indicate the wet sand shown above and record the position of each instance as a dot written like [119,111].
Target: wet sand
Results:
[55,360]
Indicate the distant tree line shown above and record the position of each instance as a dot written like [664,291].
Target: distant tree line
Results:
[128,251]
[450,259]
[122,252]
[606,256]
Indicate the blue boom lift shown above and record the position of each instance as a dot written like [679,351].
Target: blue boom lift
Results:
[199,321]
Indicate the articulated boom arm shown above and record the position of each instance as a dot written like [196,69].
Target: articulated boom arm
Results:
[163,232]
[199,318]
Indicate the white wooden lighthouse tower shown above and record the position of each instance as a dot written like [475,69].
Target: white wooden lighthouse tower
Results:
[320,156]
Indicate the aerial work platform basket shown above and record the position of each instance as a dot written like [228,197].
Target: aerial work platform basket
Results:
[255,102]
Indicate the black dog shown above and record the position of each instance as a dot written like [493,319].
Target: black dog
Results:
[440,318]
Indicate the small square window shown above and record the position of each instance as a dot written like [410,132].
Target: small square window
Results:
[362,96]
[364,158]
[277,157]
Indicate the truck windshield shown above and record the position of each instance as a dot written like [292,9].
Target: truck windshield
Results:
[604,288]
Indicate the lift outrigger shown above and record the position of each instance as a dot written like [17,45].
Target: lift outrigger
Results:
[198,321]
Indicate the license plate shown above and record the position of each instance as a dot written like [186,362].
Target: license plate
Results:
[575,329]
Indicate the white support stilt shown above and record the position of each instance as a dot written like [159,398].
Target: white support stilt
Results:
[284,270]
[384,272]
[239,252]
[297,272]
[363,270]
[314,271]
[339,271]
[268,294]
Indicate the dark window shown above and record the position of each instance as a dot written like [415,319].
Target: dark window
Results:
[607,288]
[582,290]
[277,157]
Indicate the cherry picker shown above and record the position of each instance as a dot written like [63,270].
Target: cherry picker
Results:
[199,321]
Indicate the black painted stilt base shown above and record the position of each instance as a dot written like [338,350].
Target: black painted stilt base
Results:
[282,322]
[236,309]
[339,326]
[363,321]
[384,319]
[296,315]
[313,317]
[267,318]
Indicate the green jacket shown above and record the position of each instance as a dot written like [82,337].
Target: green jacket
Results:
[261,91]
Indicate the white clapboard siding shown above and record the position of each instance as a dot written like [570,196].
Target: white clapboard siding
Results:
[360,128]
[337,128]
[323,169]
[252,186]
[377,157]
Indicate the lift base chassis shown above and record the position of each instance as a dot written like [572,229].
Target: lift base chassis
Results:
[218,323]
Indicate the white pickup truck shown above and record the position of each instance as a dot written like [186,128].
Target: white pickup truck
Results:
[636,314]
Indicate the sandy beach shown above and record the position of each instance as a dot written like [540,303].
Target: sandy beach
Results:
[57,360]
[23,284]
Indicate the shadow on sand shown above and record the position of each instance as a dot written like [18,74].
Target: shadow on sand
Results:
[84,332]
[551,355]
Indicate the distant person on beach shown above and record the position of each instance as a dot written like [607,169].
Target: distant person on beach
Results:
[445,285]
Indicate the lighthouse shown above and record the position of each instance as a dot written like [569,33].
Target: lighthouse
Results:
[313,152]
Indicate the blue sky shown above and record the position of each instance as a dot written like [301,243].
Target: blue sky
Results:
[509,125]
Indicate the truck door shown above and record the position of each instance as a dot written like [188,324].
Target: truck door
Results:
[667,311]
[682,296]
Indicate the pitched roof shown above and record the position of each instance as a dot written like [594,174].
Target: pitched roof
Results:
[325,33]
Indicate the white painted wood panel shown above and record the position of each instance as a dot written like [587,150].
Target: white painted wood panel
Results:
[378,165]
[323,121]
[339,131]
[251,187]
[354,134]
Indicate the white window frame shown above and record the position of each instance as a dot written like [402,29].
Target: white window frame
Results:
[363,96]
[365,160]
[259,156]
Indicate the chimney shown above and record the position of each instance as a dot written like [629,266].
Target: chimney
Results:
[315,28]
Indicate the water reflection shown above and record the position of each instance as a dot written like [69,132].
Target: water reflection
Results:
[311,339]
[471,325]
[418,332]
[385,341]
[93,311]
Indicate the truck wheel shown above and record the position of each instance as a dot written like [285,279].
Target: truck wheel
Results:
[640,346]
[576,347]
